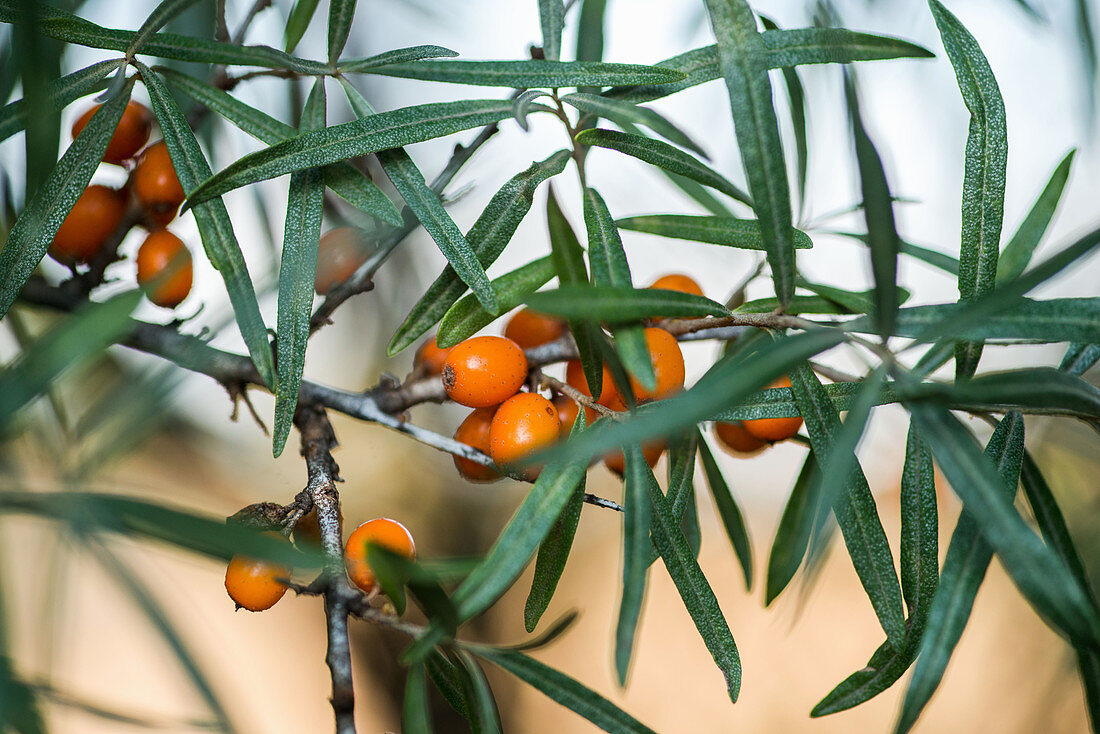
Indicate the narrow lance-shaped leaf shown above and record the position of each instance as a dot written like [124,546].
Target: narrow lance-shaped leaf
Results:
[729,231]
[1017,253]
[528,74]
[742,58]
[796,96]
[488,237]
[468,316]
[397,56]
[161,15]
[1079,358]
[213,220]
[522,106]
[59,93]
[733,521]
[796,524]
[416,717]
[551,19]
[984,173]
[340,15]
[590,37]
[298,21]
[626,115]
[297,268]
[620,305]
[636,524]
[485,717]
[964,568]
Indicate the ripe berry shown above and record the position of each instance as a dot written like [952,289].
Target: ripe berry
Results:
[381,531]
[484,371]
[164,268]
[129,137]
[339,254]
[567,409]
[94,217]
[575,378]
[775,429]
[616,460]
[430,357]
[474,431]
[668,367]
[530,329]
[307,531]
[678,282]
[255,585]
[156,185]
[736,437]
[523,424]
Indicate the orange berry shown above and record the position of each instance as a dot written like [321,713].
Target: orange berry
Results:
[567,409]
[474,431]
[616,460]
[339,254]
[530,329]
[736,438]
[93,218]
[253,584]
[575,378]
[129,137]
[484,371]
[156,185]
[431,357]
[523,424]
[775,429]
[678,282]
[164,268]
[382,532]
[668,367]
[307,531]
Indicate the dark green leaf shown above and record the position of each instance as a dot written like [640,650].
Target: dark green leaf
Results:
[300,16]
[620,305]
[919,530]
[451,680]
[416,716]
[636,525]
[486,718]
[340,15]
[1017,253]
[792,537]
[34,230]
[1038,388]
[728,231]
[1079,358]
[552,19]
[552,557]
[59,93]
[796,96]
[213,220]
[732,520]
[396,56]
[527,74]
[663,156]
[164,12]
[467,316]
[626,115]
[522,106]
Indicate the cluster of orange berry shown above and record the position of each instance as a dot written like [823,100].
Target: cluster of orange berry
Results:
[257,585]
[163,261]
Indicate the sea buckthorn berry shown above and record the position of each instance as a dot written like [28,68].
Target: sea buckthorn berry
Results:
[484,371]
[383,532]
[94,217]
[775,429]
[668,367]
[575,378]
[523,424]
[339,254]
[531,329]
[616,461]
[678,282]
[567,409]
[430,357]
[253,584]
[129,137]
[307,531]
[474,431]
[164,268]
[155,184]
[736,438]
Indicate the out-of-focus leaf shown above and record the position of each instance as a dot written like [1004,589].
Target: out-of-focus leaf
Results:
[984,174]
[742,58]
[936,259]
[792,537]
[564,690]
[850,303]
[297,268]
[416,715]
[796,96]
[636,530]
[36,226]
[467,316]
[728,231]
[490,234]
[552,557]
[620,305]
[528,74]
[1017,253]
[733,522]
[625,114]
[552,20]
[212,217]
[59,92]
[164,12]
[297,22]
[396,56]
[663,156]
[85,334]
[485,718]
[335,143]
[1079,358]
[1039,388]
[340,15]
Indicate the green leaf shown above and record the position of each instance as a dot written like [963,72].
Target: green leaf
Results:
[984,174]
[796,95]
[733,521]
[1039,388]
[854,507]
[161,15]
[663,156]
[1017,253]
[551,19]
[396,56]
[297,268]
[528,74]
[215,227]
[34,230]
[522,106]
[467,316]
[792,537]
[968,557]
[416,715]
[298,21]
[552,557]
[349,182]
[620,305]
[488,237]
[681,491]
[378,132]
[742,58]
[936,259]
[59,93]
[452,682]
[565,691]
[878,212]
[728,231]
[590,30]
[636,527]
[77,338]
[696,593]
[486,718]
[1079,358]
[340,15]
[628,115]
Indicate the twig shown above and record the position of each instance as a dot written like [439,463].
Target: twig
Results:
[242,30]
[576,395]
[833,374]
